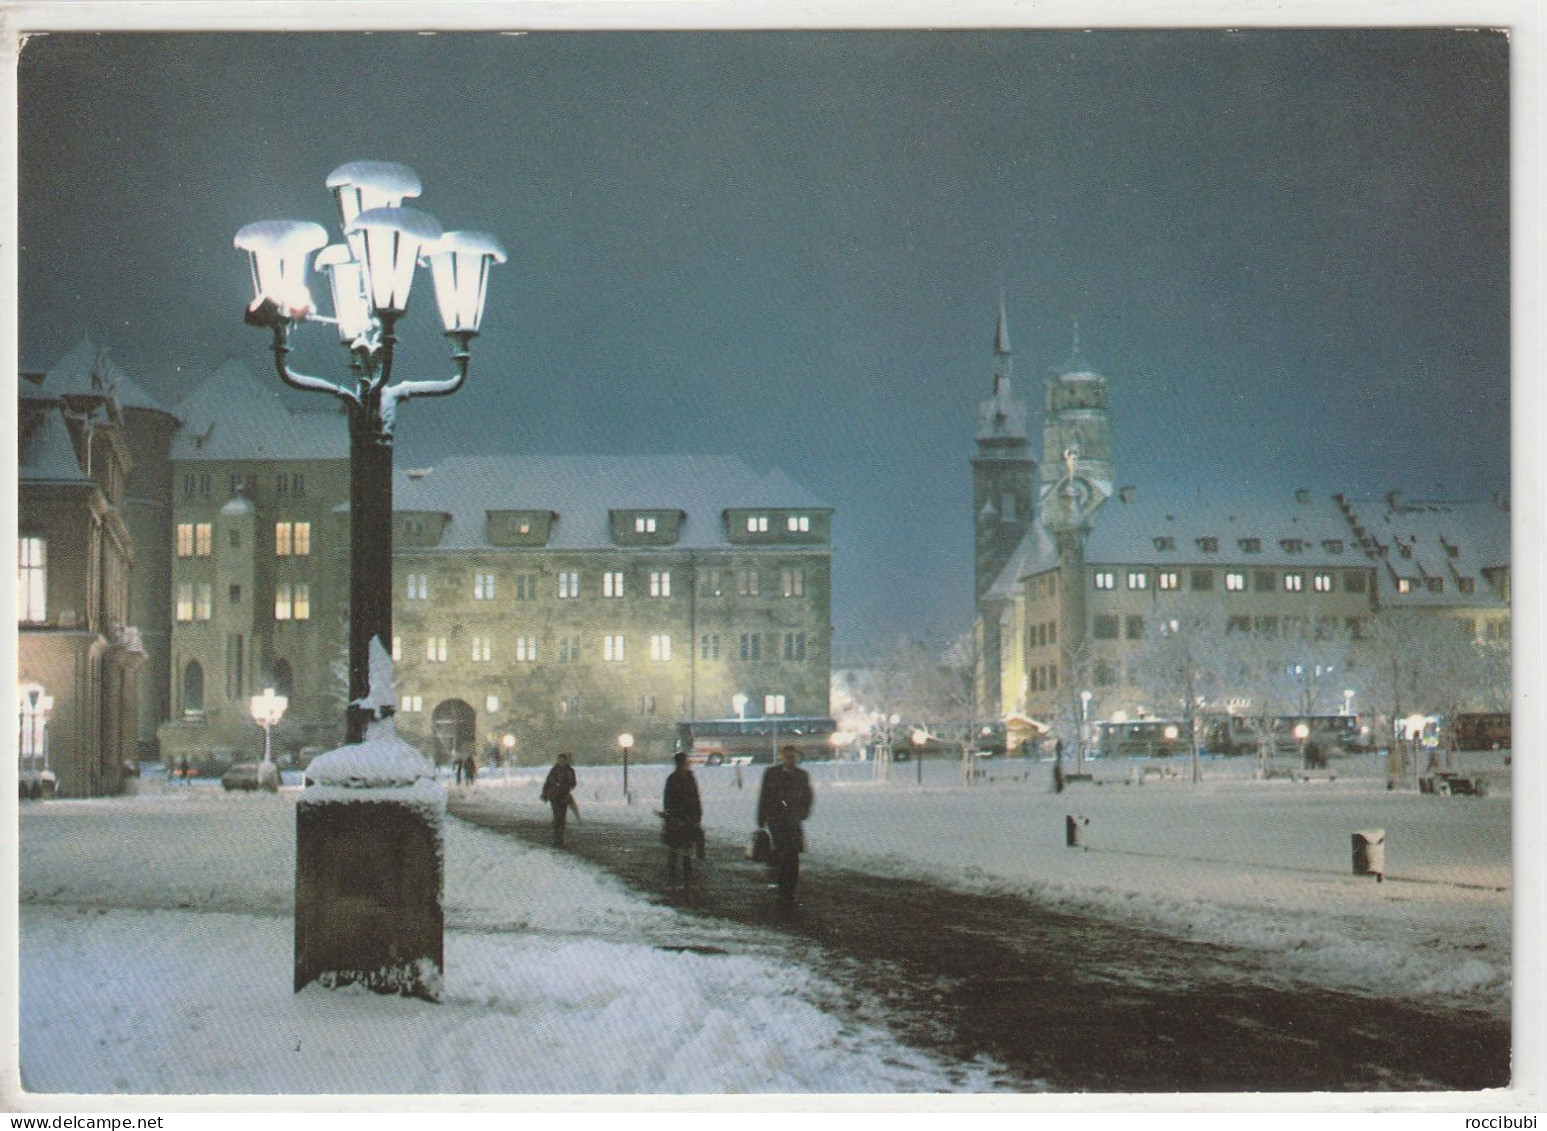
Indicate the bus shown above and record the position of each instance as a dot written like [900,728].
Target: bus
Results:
[1146,738]
[1237,734]
[1491,730]
[714,742]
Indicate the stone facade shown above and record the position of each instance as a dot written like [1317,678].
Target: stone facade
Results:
[76,649]
[563,603]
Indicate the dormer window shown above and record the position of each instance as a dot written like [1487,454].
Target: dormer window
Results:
[644,524]
[799,524]
[1251,545]
[757,524]
[1165,543]
[1209,545]
[1333,545]
[1292,545]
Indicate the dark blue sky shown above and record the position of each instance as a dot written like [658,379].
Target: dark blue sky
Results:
[1289,250]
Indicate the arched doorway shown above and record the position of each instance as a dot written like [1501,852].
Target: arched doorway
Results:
[454,725]
[193,689]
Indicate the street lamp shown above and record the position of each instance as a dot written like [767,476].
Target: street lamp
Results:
[772,707]
[1085,698]
[36,706]
[268,709]
[370,275]
[626,741]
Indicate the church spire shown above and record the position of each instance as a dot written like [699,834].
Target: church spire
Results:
[1002,354]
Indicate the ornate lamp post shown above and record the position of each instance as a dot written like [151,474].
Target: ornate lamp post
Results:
[370,275]
[268,709]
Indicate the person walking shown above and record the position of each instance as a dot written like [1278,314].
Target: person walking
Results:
[471,773]
[783,804]
[684,814]
[557,790]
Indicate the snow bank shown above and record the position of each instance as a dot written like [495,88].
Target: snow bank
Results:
[156,958]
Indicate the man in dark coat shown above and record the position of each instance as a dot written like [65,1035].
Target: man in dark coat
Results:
[684,815]
[783,804]
[558,787]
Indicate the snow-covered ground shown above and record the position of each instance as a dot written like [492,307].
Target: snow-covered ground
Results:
[1258,864]
[156,939]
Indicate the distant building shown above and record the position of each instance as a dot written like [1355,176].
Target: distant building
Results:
[558,601]
[79,655]
[1064,615]
[566,601]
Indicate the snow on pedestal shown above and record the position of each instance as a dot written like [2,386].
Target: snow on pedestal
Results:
[370,861]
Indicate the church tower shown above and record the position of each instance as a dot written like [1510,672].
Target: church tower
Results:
[1004,477]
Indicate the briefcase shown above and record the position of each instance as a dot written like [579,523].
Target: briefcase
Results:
[760,851]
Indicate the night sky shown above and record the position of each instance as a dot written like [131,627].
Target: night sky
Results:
[1288,250]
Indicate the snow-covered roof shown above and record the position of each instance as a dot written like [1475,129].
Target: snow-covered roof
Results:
[87,370]
[1036,554]
[1422,540]
[235,415]
[1159,528]
[47,453]
[582,490]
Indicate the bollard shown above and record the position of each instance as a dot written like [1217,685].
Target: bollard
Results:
[1072,830]
[1370,853]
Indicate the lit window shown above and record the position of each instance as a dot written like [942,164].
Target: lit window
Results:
[569,583]
[185,539]
[612,583]
[1321,582]
[185,600]
[435,649]
[483,649]
[644,525]
[799,524]
[397,648]
[773,704]
[1404,585]
[526,649]
[491,704]
[282,602]
[1294,582]
[1106,579]
[418,586]
[303,539]
[303,600]
[32,580]
[282,532]
[410,704]
[660,584]
[483,587]
[201,533]
[612,648]
[794,582]
[660,647]
[1235,582]
[757,524]
[1168,580]
[1138,579]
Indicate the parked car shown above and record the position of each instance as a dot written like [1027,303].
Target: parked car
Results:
[250,776]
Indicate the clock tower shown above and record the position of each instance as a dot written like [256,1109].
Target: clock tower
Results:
[1076,446]
[1004,478]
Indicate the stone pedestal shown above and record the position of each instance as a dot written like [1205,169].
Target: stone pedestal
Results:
[369,869]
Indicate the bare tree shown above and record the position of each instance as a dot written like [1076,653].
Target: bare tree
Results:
[1180,663]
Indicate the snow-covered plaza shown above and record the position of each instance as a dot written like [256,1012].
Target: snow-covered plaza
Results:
[156,934]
